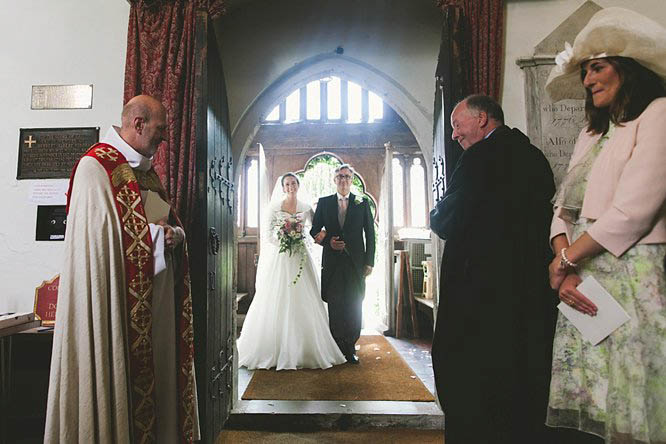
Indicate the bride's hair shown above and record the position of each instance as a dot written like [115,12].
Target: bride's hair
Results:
[285,175]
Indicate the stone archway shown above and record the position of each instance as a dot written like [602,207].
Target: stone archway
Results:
[414,114]
[416,117]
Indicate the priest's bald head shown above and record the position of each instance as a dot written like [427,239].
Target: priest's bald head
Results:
[144,124]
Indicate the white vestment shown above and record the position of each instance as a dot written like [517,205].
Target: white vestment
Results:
[89,387]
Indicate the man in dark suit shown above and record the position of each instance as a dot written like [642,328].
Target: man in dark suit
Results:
[492,345]
[347,259]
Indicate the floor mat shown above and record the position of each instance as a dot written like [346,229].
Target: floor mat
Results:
[382,375]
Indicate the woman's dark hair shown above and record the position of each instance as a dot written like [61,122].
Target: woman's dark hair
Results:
[285,175]
[639,86]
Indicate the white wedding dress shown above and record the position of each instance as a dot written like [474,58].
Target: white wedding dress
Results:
[286,326]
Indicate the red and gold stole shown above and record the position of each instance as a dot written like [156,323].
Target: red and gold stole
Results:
[137,248]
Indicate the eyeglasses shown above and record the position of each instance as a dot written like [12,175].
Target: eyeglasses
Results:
[343,177]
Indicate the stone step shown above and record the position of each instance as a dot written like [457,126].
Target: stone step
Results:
[334,415]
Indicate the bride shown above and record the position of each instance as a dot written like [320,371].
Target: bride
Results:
[286,326]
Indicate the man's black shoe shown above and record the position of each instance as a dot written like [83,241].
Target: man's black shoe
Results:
[352,359]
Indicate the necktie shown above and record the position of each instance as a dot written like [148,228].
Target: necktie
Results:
[342,210]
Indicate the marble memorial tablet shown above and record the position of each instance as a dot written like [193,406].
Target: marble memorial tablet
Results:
[554,127]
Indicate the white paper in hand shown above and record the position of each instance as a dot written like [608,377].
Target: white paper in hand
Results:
[610,314]
[156,209]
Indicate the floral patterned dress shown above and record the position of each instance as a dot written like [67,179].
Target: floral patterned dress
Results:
[616,389]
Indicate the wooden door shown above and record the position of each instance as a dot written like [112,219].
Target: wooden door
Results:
[212,240]
[450,87]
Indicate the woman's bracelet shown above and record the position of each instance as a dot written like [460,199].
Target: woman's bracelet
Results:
[564,261]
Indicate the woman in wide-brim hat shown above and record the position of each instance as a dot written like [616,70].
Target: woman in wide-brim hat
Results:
[610,223]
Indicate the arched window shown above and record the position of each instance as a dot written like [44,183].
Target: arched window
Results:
[417,182]
[354,103]
[293,106]
[375,107]
[313,98]
[334,94]
[398,195]
[274,115]
[251,186]
[317,179]
[329,99]
[410,202]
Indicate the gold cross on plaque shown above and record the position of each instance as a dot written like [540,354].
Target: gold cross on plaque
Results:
[29,141]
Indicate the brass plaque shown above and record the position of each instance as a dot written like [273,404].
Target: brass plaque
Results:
[50,153]
[61,97]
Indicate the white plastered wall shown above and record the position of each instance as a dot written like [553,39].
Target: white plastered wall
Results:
[49,42]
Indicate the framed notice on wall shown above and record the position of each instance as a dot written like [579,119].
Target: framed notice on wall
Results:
[50,153]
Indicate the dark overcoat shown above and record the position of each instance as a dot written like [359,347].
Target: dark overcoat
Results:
[495,323]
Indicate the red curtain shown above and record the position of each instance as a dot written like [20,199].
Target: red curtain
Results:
[161,63]
[485,22]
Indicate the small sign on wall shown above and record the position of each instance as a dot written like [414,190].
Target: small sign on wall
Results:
[49,192]
[51,223]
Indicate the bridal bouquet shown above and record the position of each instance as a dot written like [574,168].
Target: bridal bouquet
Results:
[292,239]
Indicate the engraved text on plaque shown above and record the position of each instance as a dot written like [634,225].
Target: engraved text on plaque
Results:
[50,153]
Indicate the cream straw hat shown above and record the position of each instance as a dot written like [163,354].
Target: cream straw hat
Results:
[610,32]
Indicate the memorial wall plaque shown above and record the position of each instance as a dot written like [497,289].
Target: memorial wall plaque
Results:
[61,97]
[554,127]
[50,153]
[561,123]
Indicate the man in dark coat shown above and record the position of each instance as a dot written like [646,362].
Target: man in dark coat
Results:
[347,259]
[492,346]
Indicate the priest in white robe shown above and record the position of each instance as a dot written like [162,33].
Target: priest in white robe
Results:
[122,368]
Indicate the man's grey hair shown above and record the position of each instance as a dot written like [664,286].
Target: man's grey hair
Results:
[482,103]
[345,166]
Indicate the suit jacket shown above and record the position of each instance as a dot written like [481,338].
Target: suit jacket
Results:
[626,190]
[358,222]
